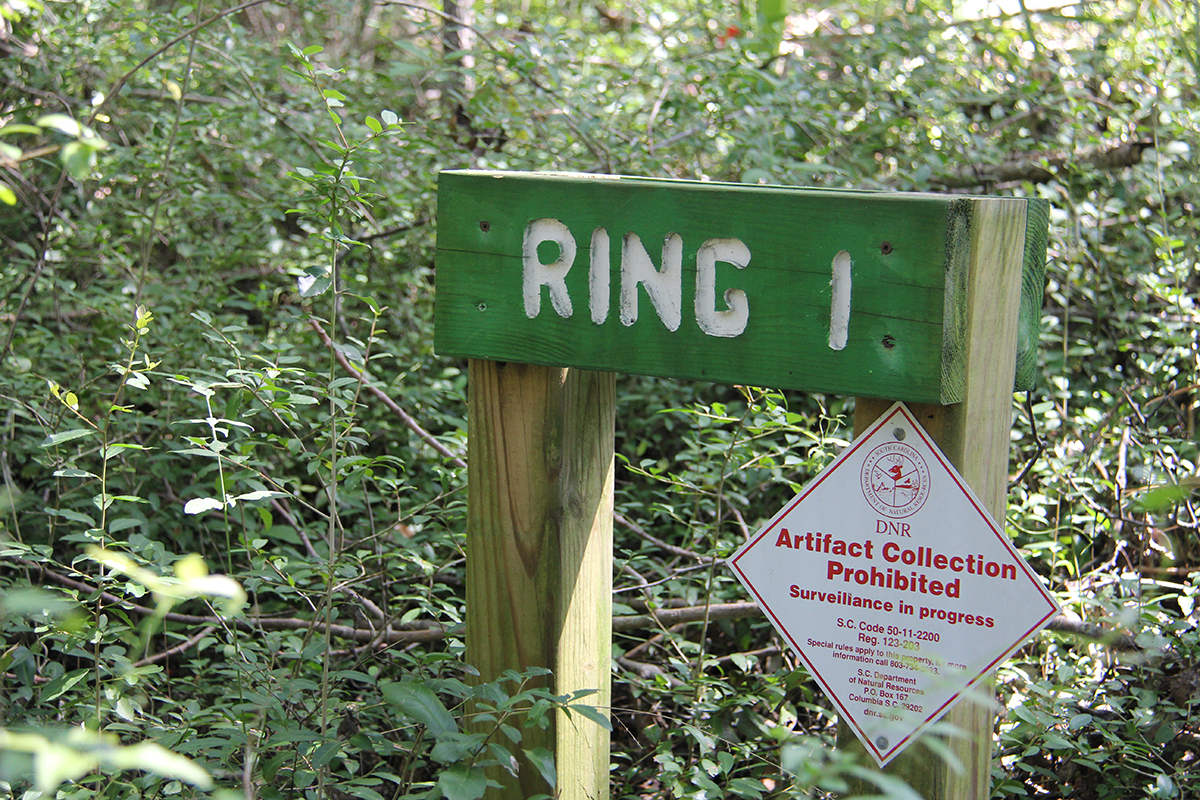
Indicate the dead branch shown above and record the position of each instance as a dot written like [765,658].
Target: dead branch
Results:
[1043,167]
[421,631]
[429,631]
[182,647]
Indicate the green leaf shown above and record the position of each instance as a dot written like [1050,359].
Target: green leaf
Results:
[32,602]
[454,747]
[66,436]
[62,684]
[594,714]
[7,195]
[462,782]
[422,705]
[117,449]
[61,123]
[325,753]
[17,127]
[543,759]
[79,751]
[315,281]
[78,159]
[374,125]
[103,501]
[74,516]
[355,789]
[350,352]
[389,117]
[746,787]
[1158,499]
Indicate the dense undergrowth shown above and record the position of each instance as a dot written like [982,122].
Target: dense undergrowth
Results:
[233,481]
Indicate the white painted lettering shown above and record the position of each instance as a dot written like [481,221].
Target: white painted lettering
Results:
[552,275]
[664,287]
[598,271]
[839,312]
[732,321]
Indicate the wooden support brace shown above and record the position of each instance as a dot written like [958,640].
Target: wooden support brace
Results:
[539,545]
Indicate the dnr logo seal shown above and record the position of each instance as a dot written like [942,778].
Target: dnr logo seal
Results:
[895,480]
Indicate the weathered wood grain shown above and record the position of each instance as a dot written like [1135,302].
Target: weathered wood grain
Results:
[539,551]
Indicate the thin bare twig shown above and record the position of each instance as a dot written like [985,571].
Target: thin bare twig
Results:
[182,647]
[629,524]
[296,526]
[675,616]
[365,379]
[766,651]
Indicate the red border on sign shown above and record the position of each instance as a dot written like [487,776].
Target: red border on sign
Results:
[884,756]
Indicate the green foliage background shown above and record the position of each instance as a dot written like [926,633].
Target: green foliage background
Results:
[215,217]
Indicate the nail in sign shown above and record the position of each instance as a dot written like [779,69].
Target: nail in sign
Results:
[893,583]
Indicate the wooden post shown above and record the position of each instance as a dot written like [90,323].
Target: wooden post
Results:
[539,551]
[974,435]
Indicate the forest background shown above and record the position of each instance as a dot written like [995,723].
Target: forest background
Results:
[233,486]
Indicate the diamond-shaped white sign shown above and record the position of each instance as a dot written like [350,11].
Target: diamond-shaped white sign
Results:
[893,583]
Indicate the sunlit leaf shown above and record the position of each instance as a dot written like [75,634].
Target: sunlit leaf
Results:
[1157,499]
[78,159]
[260,495]
[63,437]
[316,281]
[14,127]
[71,472]
[199,505]
[61,123]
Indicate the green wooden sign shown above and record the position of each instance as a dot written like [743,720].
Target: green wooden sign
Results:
[851,293]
